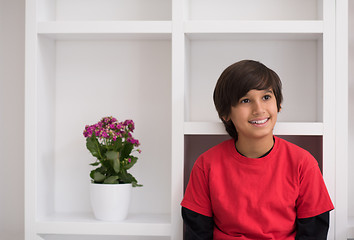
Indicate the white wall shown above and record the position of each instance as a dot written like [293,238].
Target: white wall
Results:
[351,109]
[12,26]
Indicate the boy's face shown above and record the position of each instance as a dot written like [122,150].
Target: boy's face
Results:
[255,115]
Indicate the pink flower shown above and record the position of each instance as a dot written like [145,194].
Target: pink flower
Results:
[130,124]
[133,141]
[110,129]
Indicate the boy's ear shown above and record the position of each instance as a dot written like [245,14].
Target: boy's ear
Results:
[226,119]
[279,110]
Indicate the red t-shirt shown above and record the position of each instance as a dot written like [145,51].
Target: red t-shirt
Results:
[256,198]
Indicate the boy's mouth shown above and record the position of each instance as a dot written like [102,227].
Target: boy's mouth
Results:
[259,121]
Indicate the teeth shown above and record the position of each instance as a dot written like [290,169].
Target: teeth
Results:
[259,121]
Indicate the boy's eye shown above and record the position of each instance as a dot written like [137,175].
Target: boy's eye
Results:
[266,97]
[245,101]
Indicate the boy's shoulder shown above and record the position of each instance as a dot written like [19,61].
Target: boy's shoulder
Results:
[296,153]
[221,150]
[289,146]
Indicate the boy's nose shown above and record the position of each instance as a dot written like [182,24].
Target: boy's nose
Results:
[258,108]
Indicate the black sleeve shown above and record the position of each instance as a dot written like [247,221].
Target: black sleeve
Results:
[197,226]
[313,228]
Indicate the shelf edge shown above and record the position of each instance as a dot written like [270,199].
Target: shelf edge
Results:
[281,128]
[253,26]
[99,27]
[159,226]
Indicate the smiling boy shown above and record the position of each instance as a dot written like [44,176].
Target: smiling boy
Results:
[255,185]
[254,118]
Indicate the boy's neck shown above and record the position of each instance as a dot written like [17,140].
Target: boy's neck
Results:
[255,148]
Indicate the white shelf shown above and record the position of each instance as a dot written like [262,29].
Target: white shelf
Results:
[204,128]
[253,26]
[86,224]
[299,128]
[302,29]
[264,30]
[105,29]
[281,128]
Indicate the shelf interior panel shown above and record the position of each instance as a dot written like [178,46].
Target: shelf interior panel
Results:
[246,10]
[104,10]
[79,82]
[297,62]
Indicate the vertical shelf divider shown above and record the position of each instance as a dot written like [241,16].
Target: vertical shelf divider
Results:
[328,103]
[30,119]
[341,137]
[178,72]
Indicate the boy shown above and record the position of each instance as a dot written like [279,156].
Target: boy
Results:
[255,185]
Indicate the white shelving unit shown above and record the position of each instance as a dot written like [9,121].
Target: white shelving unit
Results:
[350,56]
[157,62]
[86,60]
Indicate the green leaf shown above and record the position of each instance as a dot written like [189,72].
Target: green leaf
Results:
[117,145]
[135,184]
[111,180]
[127,149]
[106,164]
[126,177]
[92,145]
[98,177]
[131,164]
[92,173]
[95,164]
[114,157]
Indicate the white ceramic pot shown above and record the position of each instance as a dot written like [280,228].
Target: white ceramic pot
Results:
[110,202]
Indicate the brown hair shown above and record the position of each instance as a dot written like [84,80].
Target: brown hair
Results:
[235,82]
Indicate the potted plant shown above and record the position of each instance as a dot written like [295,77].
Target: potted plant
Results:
[112,144]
